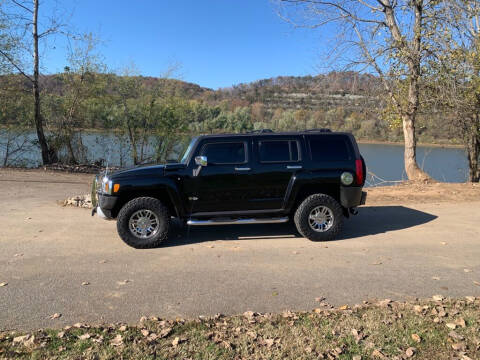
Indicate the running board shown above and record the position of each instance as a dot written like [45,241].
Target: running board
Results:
[237,221]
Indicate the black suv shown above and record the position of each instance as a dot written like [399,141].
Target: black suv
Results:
[315,177]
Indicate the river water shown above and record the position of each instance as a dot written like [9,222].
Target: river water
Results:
[384,161]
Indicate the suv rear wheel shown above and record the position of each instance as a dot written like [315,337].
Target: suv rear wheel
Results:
[143,222]
[319,218]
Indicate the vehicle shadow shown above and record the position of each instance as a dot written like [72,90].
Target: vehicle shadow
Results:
[371,220]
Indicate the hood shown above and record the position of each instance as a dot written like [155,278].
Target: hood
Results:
[143,170]
[146,170]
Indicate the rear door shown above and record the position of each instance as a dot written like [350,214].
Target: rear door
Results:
[276,160]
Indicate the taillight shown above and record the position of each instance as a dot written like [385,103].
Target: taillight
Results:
[359,171]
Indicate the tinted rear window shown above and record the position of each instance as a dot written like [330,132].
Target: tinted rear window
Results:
[330,148]
[225,153]
[278,150]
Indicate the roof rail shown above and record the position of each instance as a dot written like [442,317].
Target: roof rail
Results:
[324,130]
[261,131]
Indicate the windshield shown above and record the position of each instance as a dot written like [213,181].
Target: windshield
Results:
[188,151]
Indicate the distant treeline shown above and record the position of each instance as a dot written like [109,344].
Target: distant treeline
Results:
[137,107]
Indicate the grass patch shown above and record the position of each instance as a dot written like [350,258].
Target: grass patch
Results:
[385,330]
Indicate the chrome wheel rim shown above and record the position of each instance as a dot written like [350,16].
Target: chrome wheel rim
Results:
[143,224]
[321,219]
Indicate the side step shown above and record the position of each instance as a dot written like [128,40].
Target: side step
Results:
[237,221]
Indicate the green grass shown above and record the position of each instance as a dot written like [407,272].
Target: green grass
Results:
[369,331]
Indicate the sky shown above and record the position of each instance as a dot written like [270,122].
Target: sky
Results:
[218,43]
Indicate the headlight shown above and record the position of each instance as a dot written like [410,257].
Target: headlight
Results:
[106,186]
[346,178]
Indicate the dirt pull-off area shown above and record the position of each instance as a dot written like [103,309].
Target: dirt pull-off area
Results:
[420,193]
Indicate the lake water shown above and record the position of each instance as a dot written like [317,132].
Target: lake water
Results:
[384,161]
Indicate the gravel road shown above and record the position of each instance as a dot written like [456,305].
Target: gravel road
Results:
[396,251]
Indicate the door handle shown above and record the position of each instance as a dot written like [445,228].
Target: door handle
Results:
[294,167]
[242,169]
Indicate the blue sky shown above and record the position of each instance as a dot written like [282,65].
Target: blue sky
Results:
[218,42]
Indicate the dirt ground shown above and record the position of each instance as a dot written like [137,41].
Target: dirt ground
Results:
[408,241]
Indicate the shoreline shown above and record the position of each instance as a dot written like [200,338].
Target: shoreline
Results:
[380,142]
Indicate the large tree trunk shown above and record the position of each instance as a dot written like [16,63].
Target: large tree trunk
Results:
[410,156]
[48,155]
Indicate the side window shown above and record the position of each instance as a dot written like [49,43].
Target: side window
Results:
[225,153]
[330,148]
[278,151]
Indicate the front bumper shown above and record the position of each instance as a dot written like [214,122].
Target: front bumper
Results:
[106,204]
[352,196]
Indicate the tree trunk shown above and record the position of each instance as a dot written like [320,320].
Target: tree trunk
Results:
[410,156]
[473,150]
[48,155]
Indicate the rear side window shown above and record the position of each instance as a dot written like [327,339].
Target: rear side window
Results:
[330,148]
[278,151]
[225,153]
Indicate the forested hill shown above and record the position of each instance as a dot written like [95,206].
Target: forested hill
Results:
[345,101]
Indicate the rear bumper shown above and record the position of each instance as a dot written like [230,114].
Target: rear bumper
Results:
[352,196]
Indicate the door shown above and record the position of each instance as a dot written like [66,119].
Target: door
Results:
[225,183]
[277,160]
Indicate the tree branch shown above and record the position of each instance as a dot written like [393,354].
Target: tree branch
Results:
[12,62]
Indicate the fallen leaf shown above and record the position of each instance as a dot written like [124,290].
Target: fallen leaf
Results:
[384,302]
[378,354]
[410,351]
[435,278]
[145,332]
[275,293]
[460,322]
[165,332]
[470,299]
[319,299]
[416,338]
[55,316]
[443,243]
[122,328]
[343,307]
[61,334]
[124,282]
[295,252]
[451,326]
[357,357]
[85,336]
[459,346]
[467,270]
[476,283]
[455,335]
[117,341]
[269,342]
[102,261]
[85,283]
[465,357]
[252,334]
[2,284]
[18,255]
[438,297]
[376,263]
[176,341]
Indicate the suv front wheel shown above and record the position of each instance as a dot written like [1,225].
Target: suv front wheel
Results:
[319,218]
[143,222]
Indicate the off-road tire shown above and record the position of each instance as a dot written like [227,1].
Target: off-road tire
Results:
[303,211]
[131,207]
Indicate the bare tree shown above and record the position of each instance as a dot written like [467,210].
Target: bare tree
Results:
[392,38]
[23,16]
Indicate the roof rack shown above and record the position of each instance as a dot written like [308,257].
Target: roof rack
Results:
[261,131]
[319,130]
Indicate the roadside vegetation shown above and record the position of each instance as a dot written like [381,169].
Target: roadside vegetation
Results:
[434,329]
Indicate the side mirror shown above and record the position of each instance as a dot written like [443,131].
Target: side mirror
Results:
[201,160]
